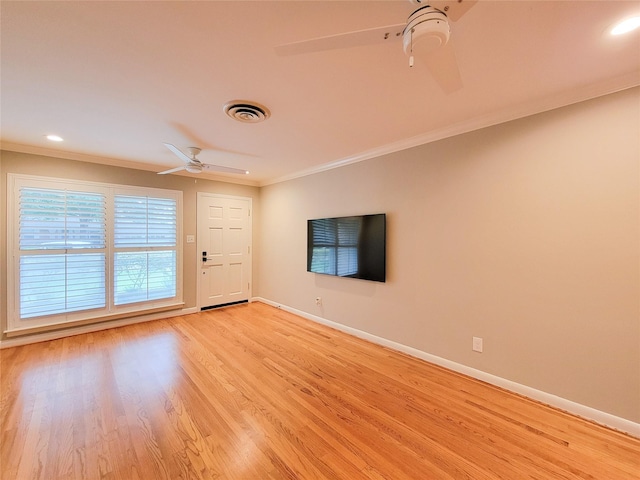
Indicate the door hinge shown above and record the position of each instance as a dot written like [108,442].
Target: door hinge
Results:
[249,249]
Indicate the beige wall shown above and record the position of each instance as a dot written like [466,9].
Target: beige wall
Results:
[525,234]
[11,162]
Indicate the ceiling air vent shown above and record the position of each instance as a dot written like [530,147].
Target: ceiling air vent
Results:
[246,112]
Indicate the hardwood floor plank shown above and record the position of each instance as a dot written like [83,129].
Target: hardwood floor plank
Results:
[252,392]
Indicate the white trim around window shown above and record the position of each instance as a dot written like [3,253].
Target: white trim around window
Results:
[86,252]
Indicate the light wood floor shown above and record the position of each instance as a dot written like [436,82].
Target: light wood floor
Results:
[252,392]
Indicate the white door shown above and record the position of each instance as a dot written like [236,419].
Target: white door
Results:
[224,249]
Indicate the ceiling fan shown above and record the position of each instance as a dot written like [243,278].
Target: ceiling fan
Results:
[425,35]
[193,165]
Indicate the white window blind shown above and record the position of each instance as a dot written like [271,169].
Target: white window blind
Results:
[145,248]
[86,251]
[57,230]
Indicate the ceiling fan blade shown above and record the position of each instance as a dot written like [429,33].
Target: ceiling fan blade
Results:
[443,66]
[369,36]
[173,170]
[454,9]
[218,168]
[181,155]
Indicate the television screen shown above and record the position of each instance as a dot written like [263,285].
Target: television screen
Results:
[352,247]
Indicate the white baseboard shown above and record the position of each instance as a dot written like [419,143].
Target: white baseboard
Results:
[94,327]
[603,418]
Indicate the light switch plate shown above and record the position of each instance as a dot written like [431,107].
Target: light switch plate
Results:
[191,238]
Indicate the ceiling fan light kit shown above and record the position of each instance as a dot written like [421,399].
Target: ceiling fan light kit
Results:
[427,29]
[425,35]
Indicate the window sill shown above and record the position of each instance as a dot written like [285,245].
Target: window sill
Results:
[16,332]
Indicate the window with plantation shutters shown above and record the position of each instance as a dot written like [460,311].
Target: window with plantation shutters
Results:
[84,251]
[62,251]
[145,248]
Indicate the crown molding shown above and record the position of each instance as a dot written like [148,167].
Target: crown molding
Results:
[114,162]
[534,107]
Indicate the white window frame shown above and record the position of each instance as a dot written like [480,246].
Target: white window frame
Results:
[17,326]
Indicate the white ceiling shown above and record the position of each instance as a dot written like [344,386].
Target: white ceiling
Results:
[117,79]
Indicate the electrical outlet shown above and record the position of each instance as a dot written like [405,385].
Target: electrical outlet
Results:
[318,301]
[477,344]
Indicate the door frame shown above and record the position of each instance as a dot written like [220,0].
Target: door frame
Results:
[199,200]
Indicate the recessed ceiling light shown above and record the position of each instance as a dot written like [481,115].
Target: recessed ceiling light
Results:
[54,138]
[626,26]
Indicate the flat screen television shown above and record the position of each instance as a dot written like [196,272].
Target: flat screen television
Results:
[353,247]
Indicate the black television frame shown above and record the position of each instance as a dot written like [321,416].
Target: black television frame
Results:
[370,248]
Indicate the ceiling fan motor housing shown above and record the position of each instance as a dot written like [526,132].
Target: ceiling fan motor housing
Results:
[427,29]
